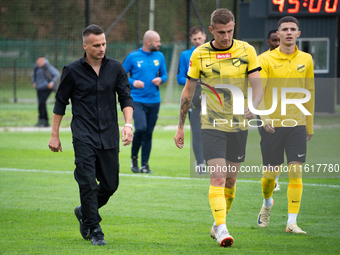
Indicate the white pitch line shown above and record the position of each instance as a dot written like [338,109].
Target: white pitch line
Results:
[154,177]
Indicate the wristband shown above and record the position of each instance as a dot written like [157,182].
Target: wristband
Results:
[129,125]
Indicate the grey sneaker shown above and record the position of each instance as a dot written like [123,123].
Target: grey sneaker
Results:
[145,169]
[97,237]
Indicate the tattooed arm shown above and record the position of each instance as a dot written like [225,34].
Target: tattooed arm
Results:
[187,93]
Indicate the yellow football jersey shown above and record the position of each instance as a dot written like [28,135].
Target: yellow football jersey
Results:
[279,71]
[263,54]
[213,67]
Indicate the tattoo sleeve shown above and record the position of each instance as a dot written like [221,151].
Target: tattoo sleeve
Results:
[187,95]
[185,105]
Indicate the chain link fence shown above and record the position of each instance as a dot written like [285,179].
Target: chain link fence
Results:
[53,29]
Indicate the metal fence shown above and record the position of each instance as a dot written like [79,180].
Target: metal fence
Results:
[53,29]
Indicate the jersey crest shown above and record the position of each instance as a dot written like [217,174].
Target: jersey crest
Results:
[236,62]
[301,68]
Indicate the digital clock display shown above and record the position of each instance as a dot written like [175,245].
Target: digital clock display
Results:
[303,7]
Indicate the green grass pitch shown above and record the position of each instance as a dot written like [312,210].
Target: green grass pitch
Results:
[166,213]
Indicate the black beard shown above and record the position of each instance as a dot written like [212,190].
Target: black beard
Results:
[153,49]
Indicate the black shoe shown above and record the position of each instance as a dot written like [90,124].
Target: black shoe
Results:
[84,231]
[97,237]
[145,169]
[45,123]
[40,123]
[134,165]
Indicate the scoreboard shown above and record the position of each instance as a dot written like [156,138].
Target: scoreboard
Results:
[306,8]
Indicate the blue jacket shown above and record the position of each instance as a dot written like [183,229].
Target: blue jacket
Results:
[145,66]
[39,75]
[184,65]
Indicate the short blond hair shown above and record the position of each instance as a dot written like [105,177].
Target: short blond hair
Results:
[221,16]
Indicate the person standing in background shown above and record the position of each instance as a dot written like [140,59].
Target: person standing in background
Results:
[147,69]
[273,41]
[197,37]
[44,78]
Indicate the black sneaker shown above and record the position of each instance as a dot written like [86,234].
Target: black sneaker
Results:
[97,237]
[145,169]
[134,165]
[40,123]
[45,123]
[84,231]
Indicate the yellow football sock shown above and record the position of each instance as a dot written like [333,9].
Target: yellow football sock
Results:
[268,185]
[229,195]
[295,187]
[217,204]
[268,180]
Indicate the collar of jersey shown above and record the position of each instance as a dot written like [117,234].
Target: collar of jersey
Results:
[287,56]
[145,52]
[212,46]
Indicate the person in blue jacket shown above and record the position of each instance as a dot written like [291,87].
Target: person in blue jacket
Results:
[147,70]
[197,37]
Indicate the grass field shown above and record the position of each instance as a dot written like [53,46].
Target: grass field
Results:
[166,213]
[158,216]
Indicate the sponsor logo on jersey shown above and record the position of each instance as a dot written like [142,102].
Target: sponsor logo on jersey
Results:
[223,56]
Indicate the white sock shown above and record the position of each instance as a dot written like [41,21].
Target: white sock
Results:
[220,228]
[268,202]
[291,218]
[277,179]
